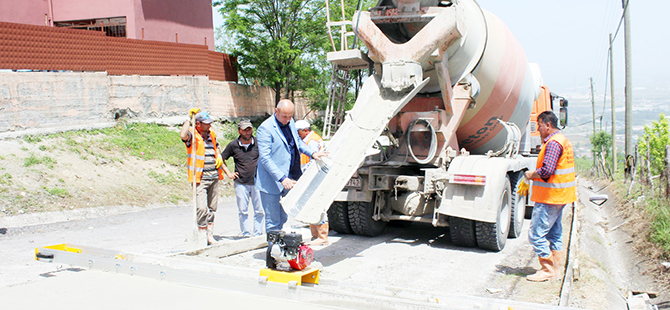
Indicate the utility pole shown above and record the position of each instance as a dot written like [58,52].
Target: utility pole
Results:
[629,80]
[613,107]
[593,111]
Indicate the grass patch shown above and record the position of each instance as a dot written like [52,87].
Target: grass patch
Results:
[5,178]
[660,224]
[166,179]
[58,192]
[37,160]
[147,141]
[32,139]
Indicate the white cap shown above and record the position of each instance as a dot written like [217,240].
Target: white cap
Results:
[302,124]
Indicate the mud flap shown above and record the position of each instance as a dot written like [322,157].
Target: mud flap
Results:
[322,181]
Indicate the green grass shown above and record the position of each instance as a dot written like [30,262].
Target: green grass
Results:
[32,139]
[167,179]
[5,178]
[37,160]
[58,192]
[660,223]
[147,141]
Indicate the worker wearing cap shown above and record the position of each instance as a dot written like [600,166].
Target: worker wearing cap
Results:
[279,148]
[553,188]
[311,138]
[313,141]
[245,154]
[206,167]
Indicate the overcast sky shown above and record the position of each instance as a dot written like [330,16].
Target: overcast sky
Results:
[569,40]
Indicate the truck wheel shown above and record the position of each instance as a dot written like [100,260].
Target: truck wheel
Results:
[493,236]
[360,219]
[518,206]
[338,217]
[462,232]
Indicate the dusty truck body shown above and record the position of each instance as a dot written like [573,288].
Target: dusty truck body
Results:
[442,134]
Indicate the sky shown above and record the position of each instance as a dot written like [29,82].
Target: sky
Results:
[569,40]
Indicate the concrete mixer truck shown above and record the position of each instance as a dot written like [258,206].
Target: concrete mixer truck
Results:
[441,134]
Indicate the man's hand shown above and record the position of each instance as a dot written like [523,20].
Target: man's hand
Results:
[529,175]
[219,162]
[233,176]
[192,112]
[288,183]
[318,155]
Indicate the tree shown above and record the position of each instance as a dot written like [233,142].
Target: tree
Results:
[601,141]
[658,136]
[278,43]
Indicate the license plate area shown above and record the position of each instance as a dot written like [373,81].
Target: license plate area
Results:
[354,183]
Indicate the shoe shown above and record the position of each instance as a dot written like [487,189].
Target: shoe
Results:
[321,235]
[558,260]
[547,272]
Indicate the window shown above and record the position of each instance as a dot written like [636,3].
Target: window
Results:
[113,26]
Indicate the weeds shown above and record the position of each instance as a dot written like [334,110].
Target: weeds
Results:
[37,160]
[32,139]
[58,192]
[165,179]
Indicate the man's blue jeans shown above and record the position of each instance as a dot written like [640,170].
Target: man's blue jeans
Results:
[546,230]
[275,217]
[249,195]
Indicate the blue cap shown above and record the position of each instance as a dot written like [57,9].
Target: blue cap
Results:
[203,117]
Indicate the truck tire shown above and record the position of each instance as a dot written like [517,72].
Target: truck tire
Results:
[518,205]
[462,232]
[360,219]
[493,236]
[338,217]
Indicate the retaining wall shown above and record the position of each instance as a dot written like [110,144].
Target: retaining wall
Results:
[60,100]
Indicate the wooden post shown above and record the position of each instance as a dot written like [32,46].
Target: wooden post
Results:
[666,171]
[651,184]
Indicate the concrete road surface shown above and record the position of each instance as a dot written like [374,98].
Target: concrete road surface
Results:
[418,258]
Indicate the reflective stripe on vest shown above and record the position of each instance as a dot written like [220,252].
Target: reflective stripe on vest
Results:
[200,157]
[312,137]
[559,189]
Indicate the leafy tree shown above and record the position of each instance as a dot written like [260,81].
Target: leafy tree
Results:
[601,141]
[278,43]
[658,136]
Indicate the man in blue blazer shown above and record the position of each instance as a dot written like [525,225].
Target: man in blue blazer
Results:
[279,148]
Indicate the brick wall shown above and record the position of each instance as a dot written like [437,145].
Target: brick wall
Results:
[30,47]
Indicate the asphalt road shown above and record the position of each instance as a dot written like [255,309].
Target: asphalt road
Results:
[418,258]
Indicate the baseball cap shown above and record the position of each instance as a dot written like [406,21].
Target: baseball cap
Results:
[203,117]
[301,124]
[244,124]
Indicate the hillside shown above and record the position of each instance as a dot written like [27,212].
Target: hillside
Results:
[129,164]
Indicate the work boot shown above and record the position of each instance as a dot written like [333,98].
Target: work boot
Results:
[210,234]
[315,232]
[546,272]
[558,260]
[321,235]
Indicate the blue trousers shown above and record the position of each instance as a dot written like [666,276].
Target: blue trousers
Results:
[275,217]
[546,230]
[248,195]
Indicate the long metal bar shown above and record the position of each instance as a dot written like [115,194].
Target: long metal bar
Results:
[247,280]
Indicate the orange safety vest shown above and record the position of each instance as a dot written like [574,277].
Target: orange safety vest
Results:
[559,189]
[200,157]
[313,136]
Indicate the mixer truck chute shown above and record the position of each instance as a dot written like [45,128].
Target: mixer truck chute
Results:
[441,134]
